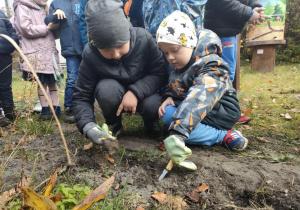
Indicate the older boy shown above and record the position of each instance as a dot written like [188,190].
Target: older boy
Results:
[122,68]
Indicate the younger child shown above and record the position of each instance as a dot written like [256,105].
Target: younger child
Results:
[38,44]
[122,68]
[201,106]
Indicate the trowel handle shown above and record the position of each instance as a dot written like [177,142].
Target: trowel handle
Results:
[170,165]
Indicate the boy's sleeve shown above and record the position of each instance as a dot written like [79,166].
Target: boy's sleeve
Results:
[51,18]
[82,23]
[83,97]
[233,10]
[209,86]
[156,73]
[24,24]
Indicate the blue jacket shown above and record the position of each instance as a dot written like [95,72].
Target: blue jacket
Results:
[6,28]
[70,39]
[155,11]
[82,23]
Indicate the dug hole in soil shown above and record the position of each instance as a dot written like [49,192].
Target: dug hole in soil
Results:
[234,179]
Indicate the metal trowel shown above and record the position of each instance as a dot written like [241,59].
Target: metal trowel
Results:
[166,170]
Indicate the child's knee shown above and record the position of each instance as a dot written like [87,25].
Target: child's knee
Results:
[167,117]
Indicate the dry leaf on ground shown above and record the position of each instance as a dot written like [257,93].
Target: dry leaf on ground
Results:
[295,110]
[161,146]
[88,146]
[161,197]
[117,186]
[110,159]
[263,139]
[57,198]
[287,116]
[194,196]
[249,111]
[203,187]
[140,208]
[297,97]
[96,195]
[51,184]
[36,201]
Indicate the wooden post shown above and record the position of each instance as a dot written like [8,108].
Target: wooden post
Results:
[263,55]
[236,81]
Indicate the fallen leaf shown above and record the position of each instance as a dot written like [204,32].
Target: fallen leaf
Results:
[246,99]
[270,81]
[117,186]
[176,202]
[247,112]
[51,184]
[297,149]
[194,196]
[274,100]
[96,195]
[7,195]
[88,146]
[161,146]
[295,110]
[262,139]
[110,159]
[203,187]
[287,116]
[297,97]
[25,182]
[140,208]
[36,201]
[57,198]
[274,125]
[161,197]
[247,127]
[269,181]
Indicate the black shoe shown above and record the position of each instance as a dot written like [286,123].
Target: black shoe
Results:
[10,113]
[154,129]
[4,121]
[116,129]
[69,115]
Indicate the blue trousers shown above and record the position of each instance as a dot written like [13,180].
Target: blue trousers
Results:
[201,135]
[229,46]
[73,63]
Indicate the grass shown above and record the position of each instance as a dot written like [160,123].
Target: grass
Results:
[265,97]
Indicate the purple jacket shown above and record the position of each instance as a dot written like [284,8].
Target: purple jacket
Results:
[36,41]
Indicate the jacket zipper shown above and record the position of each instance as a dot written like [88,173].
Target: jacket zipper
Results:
[120,64]
[75,53]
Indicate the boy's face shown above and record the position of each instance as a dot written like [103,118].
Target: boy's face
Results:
[116,52]
[41,2]
[178,56]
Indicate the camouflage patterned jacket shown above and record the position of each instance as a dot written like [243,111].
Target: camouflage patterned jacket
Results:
[199,85]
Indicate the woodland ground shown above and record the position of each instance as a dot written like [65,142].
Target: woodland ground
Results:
[264,176]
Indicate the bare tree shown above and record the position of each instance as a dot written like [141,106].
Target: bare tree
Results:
[7,9]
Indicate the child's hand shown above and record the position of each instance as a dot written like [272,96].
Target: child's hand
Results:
[60,14]
[254,20]
[161,109]
[128,103]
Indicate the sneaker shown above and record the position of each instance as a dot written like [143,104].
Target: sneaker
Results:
[37,107]
[116,129]
[234,140]
[69,116]
[243,119]
[154,130]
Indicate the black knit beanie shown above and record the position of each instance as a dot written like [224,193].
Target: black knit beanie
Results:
[106,23]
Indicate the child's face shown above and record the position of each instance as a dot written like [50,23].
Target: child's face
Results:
[116,52]
[178,56]
[41,2]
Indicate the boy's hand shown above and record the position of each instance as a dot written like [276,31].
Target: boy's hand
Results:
[161,109]
[60,14]
[128,103]
[102,136]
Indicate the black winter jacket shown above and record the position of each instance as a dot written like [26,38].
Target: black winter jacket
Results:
[6,28]
[142,70]
[228,17]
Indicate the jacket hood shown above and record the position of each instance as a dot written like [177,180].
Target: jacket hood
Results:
[27,3]
[208,43]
